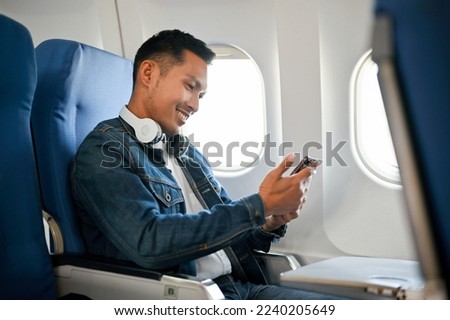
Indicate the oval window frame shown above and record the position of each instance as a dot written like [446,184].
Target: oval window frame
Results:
[373,162]
[248,143]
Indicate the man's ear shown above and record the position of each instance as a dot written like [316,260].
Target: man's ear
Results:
[147,72]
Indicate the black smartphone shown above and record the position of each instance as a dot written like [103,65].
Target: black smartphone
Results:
[306,162]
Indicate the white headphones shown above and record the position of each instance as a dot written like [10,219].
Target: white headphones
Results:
[146,130]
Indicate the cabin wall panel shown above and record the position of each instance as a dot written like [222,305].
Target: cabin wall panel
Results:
[93,22]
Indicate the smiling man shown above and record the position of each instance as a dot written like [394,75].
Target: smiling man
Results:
[145,194]
[167,89]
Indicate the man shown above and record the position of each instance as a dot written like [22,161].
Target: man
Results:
[144,194]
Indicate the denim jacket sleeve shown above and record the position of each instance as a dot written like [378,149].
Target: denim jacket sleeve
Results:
[114,189]
[255,240]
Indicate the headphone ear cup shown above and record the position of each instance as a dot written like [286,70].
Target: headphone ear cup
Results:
[146,130]
[177,145]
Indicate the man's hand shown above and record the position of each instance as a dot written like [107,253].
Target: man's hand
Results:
[284,195]
[274,222]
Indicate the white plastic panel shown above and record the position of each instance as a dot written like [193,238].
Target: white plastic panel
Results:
[361,216]
[93,22]
[96,284]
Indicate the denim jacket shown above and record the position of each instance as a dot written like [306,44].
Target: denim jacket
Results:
[131,207]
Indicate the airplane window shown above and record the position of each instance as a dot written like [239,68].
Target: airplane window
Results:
[373,141]
[230,125]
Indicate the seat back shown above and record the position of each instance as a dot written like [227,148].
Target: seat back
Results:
[78,86]
[25,268]
[412,51]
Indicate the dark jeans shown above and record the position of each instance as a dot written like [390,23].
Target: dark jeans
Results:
[236,290]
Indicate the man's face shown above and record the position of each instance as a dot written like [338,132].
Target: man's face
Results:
[174,97]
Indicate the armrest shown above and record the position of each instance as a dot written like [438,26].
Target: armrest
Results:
[274,263]
[100,278]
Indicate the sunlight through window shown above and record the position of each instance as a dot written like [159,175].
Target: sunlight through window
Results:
[230,125]
[373,140]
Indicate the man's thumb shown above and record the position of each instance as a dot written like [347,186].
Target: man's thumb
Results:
[285,164]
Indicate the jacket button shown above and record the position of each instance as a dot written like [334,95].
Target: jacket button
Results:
[168,196]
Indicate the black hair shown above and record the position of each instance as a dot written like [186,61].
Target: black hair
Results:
[167,48]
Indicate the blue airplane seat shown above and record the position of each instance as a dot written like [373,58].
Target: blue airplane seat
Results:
[412,49]
[25,267]
[78,86]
